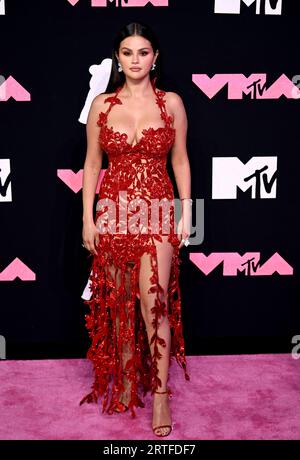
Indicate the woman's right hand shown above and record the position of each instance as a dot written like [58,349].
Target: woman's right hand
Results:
[90,236]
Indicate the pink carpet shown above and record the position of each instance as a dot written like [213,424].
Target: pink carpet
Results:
[228,397]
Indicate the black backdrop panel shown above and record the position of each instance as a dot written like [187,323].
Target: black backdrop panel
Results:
[47,48]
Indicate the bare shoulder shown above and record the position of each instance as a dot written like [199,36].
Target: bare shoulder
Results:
[173,96]
[98,105]
[174,102]
[98,101]
[175,106]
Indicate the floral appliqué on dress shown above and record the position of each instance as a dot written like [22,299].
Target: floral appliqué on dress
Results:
[119,343]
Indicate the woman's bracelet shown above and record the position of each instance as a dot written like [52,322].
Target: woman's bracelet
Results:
[190,199]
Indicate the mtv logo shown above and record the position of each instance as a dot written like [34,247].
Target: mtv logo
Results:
[254,85]
[5,180]
[123,3]
[2,7]
[262,6]
[249,263]
[259,175]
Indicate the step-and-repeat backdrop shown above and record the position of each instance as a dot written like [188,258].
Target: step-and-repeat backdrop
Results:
[235,63]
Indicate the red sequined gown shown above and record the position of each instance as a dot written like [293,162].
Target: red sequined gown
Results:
[119,348]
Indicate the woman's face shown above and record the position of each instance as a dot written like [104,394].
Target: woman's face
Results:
[137,52]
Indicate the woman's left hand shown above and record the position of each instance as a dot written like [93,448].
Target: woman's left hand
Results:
[183,230]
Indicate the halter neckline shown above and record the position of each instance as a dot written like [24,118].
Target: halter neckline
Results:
[160,101]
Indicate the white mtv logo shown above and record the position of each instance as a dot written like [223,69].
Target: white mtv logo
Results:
[259,174]
[5,180]
[234,6]
[2,7]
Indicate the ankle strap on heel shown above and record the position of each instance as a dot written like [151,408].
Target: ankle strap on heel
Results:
[163,392]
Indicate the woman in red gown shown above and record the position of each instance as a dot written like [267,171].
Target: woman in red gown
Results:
[134,317]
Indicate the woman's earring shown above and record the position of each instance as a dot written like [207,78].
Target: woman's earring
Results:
[119,67]
[153,66]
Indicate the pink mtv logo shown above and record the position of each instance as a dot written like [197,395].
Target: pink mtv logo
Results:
[124,3]
[74,180]
[11,88]
[249,263]
[17,269]
[238,85]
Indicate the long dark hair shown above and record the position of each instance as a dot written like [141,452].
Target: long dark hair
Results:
[134,28]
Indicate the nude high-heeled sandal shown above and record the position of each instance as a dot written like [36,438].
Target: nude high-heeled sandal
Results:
[162,426]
